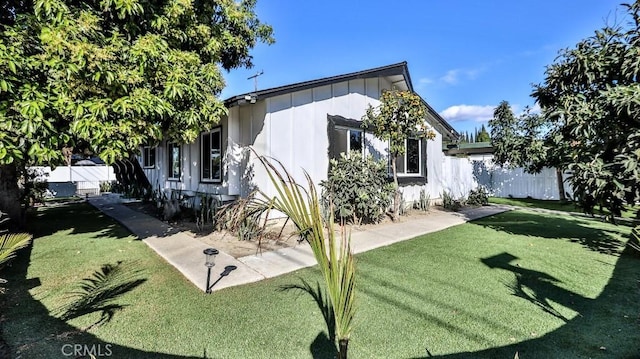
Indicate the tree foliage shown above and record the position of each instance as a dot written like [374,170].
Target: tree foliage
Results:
[400,115]
[592,94]
[517,141]
[114,74]
[117,73]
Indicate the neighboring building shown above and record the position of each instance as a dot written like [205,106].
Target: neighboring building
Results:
[301,125]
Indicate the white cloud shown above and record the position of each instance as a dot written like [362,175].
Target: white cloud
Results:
[453,77]
[468,112]
[425,81]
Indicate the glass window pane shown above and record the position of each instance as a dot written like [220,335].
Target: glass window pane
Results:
[174,160]
[400,164]
[216,155]
[413,155]
[206,156]
[340,144]
[355,140]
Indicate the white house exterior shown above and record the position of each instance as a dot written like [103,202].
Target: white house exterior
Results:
[301,125]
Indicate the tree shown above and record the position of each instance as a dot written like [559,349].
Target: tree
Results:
[483,135]
[525,141]
[592,94]
[400,115]
[114,74]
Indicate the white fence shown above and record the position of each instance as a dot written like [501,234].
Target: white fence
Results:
[87,179]
[464,174]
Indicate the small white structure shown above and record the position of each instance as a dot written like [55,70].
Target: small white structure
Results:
[301,125]
[87,179]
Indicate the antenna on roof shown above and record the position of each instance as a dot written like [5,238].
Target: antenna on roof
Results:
[255,80]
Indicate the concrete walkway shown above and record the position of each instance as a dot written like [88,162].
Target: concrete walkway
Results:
[185,252]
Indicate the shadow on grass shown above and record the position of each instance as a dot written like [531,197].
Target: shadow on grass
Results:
[607,326]
[31,330]
[537,287]
[323,345]
[99,292]
[82,216]
[576,229]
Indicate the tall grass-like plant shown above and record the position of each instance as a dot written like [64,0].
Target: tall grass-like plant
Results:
[333,255]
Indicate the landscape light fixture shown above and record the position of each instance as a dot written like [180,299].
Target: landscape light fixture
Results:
[209,262]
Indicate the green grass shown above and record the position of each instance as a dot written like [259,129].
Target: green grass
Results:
[629,212]
[546,286]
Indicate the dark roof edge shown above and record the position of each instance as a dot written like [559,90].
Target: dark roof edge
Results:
[448,130]
[394,69]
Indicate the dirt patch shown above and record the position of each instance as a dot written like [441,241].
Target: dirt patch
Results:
[276,237]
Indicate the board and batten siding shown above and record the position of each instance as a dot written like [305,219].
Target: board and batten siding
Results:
[190,178]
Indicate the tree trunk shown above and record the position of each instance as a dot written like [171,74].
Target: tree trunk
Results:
[10,197]
[396,197]
[561,194]
[343,346]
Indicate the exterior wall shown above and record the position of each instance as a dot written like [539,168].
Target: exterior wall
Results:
[190,179]
[293,129]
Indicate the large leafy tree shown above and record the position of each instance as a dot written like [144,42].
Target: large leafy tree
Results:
[528,141]
[592,94]
[114,74]
[400,115]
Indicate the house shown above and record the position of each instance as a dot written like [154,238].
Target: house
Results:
[301,125]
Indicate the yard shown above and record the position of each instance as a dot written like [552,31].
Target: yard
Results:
[542,285]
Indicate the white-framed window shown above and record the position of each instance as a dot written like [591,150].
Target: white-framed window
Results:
[148,157]
[175,160]
[411,162]
[348,139]
[211,155]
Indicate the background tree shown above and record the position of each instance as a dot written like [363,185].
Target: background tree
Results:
[483,135]
[526,141]
[592,94]
[400,115]
[115,74]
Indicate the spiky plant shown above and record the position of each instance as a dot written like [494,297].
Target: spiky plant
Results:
[333,255]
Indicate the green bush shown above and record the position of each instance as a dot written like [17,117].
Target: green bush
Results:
[451,203]
[357,189]
[478,197]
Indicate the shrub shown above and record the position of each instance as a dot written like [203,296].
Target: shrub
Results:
[478,197]
[449,202]
[357,189]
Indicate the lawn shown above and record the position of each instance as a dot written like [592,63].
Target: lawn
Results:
[542,285]
[628,212]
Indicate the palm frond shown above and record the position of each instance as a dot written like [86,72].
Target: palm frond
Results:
[10,243]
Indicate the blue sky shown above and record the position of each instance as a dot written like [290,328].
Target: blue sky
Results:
[464,56]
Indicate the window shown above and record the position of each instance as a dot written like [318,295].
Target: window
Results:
[211,155]
[410,163]
[148,157]
[347,140]
[175,161]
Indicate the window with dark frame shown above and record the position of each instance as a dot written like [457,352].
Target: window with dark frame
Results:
[348,140]
[148,157]
[410,163]
[175,160]
[211,155]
